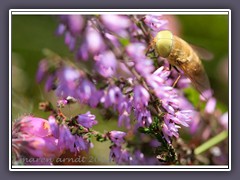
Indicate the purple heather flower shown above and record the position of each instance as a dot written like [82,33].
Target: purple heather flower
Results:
[32,137]
[224,120]
[81,144]
[113,96]
[155,22]
[70,41]
[49,84]
[116,23]
[183,82]
[158,77]
[144,66]
[167,92]
[43,67]
[106,63]
[137,158]
[85,91]
[117,137]
[169,129]
[61,29]
[115,153]
[68,81]
[94,40]
[82,53]
[195,123]
[185,117]
[210,106]
[124,158]
[87,120]
[75,24]
[41,147]
[136,51]
[124,119]
[140,98]
[125,105]
[95,98]
[113,39]
[119,155]
[53,126]
[66,139]
[206,133]
[181,117]
[169,104]
[68,38]
[184,104]
[206,95]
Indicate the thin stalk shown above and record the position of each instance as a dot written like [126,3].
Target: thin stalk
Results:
[211,142]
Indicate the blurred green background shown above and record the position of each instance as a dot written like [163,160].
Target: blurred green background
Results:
[32,33]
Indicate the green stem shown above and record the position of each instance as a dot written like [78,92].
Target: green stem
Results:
[211,142]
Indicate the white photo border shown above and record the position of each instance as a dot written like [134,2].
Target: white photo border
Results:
[118,167]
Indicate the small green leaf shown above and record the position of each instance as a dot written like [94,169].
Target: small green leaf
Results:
[124,41]
[144,130]
[194,97]
[100,138]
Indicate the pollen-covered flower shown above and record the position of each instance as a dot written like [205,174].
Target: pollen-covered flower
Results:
[32,137]
[32,126]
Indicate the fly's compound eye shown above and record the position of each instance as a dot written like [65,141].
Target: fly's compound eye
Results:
[163,43]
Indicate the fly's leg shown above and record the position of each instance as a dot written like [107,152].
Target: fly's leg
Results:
[179,76]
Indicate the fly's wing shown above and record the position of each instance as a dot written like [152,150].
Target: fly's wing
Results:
[202,52]
[194,70]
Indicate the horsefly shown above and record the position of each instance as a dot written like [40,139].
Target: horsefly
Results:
[180,54]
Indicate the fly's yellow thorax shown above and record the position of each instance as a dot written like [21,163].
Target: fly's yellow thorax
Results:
[181,52]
